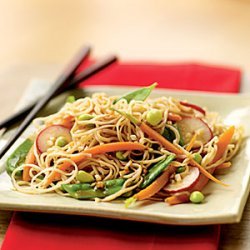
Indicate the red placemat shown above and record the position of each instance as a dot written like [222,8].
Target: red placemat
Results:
[31,231]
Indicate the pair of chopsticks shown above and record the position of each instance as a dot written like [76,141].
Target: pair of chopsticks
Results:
[67,80]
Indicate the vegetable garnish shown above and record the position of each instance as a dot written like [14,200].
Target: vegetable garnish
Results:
[169,146]
[100,149]
[224,165]
[191,143]
[156,170]
[152,189]
[223,142]
[48,136]
[70,99]
[196,197]
[152,133]
[130,147]
[187,182]
[154,117]
[17,158]
[174,117]
[206,173]
[86,191]
[30,159]
[189,126]
[193,106]
[179,198]
[158,137]
[137,95]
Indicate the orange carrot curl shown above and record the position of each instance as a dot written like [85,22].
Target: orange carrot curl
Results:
[100,149]
[223,142]
[179,198]
[30,159]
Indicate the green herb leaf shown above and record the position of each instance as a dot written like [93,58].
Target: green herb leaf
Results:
[138,95]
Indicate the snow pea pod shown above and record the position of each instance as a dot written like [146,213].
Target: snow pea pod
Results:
[137,95]
[17,158]
[86,191]
[156,170]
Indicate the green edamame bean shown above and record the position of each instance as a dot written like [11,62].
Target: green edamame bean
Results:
[196,197]
[85,117]
[70,99]
[180,169]
[197,158]
[154,117]
[119,155]
[61,141]
[84,177]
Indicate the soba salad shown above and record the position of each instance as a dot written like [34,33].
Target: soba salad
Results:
[128,148]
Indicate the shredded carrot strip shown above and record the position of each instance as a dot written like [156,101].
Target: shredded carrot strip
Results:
[100,149]
[206,173]
[178,198]
[109,147]
[191,143]
[224,165]
[158,137]
[154,187]
[30,159]
[68,121]
[174,117]
[223,142]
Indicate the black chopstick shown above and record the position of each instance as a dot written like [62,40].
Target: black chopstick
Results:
[62,81]
[88,72]
[93,69]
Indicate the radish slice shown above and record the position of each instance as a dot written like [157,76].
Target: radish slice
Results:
[47,137]
[188,126]
[201,182]
[187,182]
[193,106]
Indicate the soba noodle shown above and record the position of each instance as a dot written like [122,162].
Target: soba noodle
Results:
[108,126]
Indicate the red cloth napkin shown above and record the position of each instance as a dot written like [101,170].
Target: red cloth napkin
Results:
[31,231]
[189,76]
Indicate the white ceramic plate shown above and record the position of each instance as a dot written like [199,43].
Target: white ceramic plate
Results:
[222,205]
